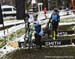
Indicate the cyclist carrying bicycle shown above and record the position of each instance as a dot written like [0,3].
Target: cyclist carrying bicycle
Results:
[38,31]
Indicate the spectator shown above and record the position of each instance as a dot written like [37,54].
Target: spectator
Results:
[67,10]
[45,11]
[31,17]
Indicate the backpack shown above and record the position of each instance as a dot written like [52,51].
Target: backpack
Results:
[37,28]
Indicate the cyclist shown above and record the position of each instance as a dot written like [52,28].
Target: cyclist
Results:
[55,19]
[38,30]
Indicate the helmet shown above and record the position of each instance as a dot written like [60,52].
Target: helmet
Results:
[35,15]
[56,9]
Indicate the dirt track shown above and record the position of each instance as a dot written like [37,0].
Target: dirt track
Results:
[44,53]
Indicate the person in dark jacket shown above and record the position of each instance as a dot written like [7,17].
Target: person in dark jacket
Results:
[55,19]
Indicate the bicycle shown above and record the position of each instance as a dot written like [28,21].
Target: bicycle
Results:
[28,36]
[51,32]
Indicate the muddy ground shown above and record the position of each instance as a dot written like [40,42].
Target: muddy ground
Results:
[44,53]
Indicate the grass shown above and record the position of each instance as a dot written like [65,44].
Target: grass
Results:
[18,33]
[67,20]
[43,53]
[1,43]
